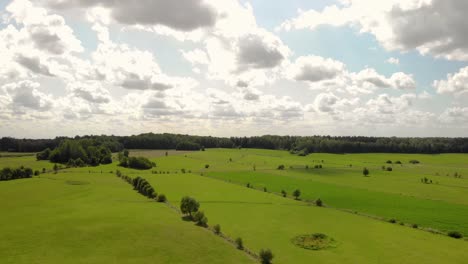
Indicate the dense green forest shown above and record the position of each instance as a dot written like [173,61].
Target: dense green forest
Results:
[296,144]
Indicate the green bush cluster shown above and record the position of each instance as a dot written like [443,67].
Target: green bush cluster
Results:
[143,187]
[7,174]
[140,163]
[78,153]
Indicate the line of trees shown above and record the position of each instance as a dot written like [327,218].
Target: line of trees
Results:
[7,174]
[296,144]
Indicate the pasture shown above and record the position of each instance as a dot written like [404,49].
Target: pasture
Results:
[88,215]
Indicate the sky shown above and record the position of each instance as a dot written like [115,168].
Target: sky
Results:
[234,68]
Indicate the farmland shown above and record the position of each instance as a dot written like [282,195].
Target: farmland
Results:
[88,213]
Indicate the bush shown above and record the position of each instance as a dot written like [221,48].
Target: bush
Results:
[281,167]
[200,218]
[162,198]
[393,221]
[140,163]
[319,202]
[398,162]
[36,173]
[239,243]
[365,172]
[265,189]
[283,192]
[296,194]
[207,166]
[189,205]
[455,234]
[414,161]
[266,256]
[389,162]
[389,169]
[414,225]
[217,229]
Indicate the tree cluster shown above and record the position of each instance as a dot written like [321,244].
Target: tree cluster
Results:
[78,153]
[7,173]
[144,187]
[140,163]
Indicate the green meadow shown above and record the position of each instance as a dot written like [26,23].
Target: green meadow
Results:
[88,215]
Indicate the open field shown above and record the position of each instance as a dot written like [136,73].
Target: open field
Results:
[104,220]
[97,218]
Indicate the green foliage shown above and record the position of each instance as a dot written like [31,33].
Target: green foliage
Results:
[36,172]
[414,225]
[393,221]
[365,172]
[140,163]
[7,173]
[162,198]
[189,205]
[239,243]
[43,155]
[297,194]
[414,161]
[389,169]
[187,145]
[77,153]
[266,256]
[200,218]
[217,229]
[207,166]
[283,193]
[318,202]
[455,234]
[144,187]
[389,162]
[281,167]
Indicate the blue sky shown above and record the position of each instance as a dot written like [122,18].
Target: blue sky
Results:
[234,68]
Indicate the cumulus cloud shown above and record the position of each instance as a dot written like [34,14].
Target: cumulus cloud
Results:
[25,94]
[34,64]
[393,60]
[184,15]
[326,73]
[434,27]
[456,83]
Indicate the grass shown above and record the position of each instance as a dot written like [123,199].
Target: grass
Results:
[87,215]
[57,219]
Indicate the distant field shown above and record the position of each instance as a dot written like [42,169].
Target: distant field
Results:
[90,222]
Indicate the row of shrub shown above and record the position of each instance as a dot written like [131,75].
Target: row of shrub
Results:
[7,173]
[142,186]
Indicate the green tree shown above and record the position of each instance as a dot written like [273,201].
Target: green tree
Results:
[239,243]
[365,172]
[296,194]
[189,205]
[266,256]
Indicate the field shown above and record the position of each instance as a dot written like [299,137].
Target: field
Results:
[88,215]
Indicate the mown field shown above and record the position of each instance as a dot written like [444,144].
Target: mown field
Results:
[105,220]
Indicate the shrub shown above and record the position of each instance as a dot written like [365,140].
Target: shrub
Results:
[162,198]
[207,166]
[365,172]
[414,161]
[398,162]
[266,256]
[283,192]
[455,234]
[389,162]
[239,243]
[200,218]
[296,194]
[189,205]
[281,167]
[265,189]
[248,185]
[393,221]
[43,170]
[217,229]
[182,170]
[318,202]
[140,163]
[414,225]
[36,173]
[389,169]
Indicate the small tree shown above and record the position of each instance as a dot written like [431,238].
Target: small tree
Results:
[162,198]
[200,218]
[281,167]
[266,256]
[318,202]
[265,189]
[217,229]
[365,172]
[239,243]
[189,205]
[55,168]
[207,166]
[296,194]
[283,192]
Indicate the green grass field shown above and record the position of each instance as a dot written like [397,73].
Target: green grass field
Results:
[54,218]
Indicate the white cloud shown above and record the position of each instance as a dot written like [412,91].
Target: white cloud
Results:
[393,60]
[435,27]
[454,84]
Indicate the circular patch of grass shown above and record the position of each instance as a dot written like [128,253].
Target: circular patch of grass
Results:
[314,241]
[76,182]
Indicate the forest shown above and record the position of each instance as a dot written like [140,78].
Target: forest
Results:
[301,145]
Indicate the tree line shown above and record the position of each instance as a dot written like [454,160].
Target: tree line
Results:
[301,145]
[7,174]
